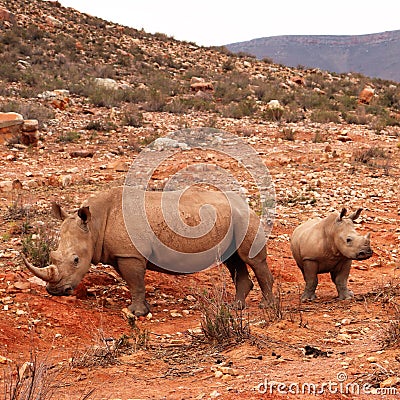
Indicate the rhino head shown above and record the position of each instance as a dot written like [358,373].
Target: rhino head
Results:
[349,243]
[72,259]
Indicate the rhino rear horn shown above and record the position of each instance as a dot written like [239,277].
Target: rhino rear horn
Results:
[47,274]
[353,216]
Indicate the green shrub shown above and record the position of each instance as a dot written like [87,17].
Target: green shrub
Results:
[69,137]
[132,116]
[245,108]
[288,134]
[323,116]
[155,101]
[37,246]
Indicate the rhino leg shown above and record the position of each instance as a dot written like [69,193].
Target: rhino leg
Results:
[132,271]
[310,274]
[264,279]
[240,276]
[340,276]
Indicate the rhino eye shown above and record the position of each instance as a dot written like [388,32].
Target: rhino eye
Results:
[76,260]
[349,240]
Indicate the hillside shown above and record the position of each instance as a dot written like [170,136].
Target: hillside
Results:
[86,105]
[374,55]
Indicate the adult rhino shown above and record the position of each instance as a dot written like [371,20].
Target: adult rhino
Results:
[98,232]
[329,245]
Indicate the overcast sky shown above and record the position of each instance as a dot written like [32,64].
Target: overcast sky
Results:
[218,22]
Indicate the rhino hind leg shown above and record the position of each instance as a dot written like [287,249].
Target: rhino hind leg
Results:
[340,277]
[310,274]
[264,278]
[240,276]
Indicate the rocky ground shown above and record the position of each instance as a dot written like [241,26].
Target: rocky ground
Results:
[84,346]
[167,355]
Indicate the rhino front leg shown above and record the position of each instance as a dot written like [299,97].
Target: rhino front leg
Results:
[340,277]
[310,274]
[132,271]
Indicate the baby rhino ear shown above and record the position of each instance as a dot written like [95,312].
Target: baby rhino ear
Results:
[342,213]
[84,214]
[355,214]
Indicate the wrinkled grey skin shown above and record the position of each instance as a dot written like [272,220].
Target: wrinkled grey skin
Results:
[97,233]
[329,245]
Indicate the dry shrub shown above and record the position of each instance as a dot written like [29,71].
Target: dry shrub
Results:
[222,321]
[106,350]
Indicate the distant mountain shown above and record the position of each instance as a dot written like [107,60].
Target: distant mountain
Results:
[375,55]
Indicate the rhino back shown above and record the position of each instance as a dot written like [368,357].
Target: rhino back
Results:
[306,240]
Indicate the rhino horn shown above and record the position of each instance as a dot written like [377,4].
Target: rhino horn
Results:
[48,274]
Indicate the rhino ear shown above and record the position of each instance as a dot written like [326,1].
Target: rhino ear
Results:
[342,213]
[58,212]
[84,214]
[353,216]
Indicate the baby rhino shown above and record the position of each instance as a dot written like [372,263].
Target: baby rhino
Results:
[329,245]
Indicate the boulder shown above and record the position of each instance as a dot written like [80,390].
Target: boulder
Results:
[366,95]
[298,80]
[14,128]
[10,125]
[58,98]
[6,16]
[200,84]
[107,83]
[53,21]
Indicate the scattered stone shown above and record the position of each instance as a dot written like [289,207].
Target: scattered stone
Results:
[118,166]
[6,15]
[54,21]
[4,360]
[390,382]
[199,84]
[81,153]
[106,83]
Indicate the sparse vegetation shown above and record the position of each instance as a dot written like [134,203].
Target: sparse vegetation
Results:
[69,137]
[370,155]
[288,134]
[106,350]
[222,321]
[37,246]
[153,97]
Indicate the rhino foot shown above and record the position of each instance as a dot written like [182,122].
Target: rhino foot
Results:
[306,296]
[139,309]
[269,303]
[346,295]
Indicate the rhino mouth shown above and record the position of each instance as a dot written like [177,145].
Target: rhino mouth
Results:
[63,291]
[364,255]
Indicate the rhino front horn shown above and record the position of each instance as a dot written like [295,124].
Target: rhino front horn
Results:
[48,274]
